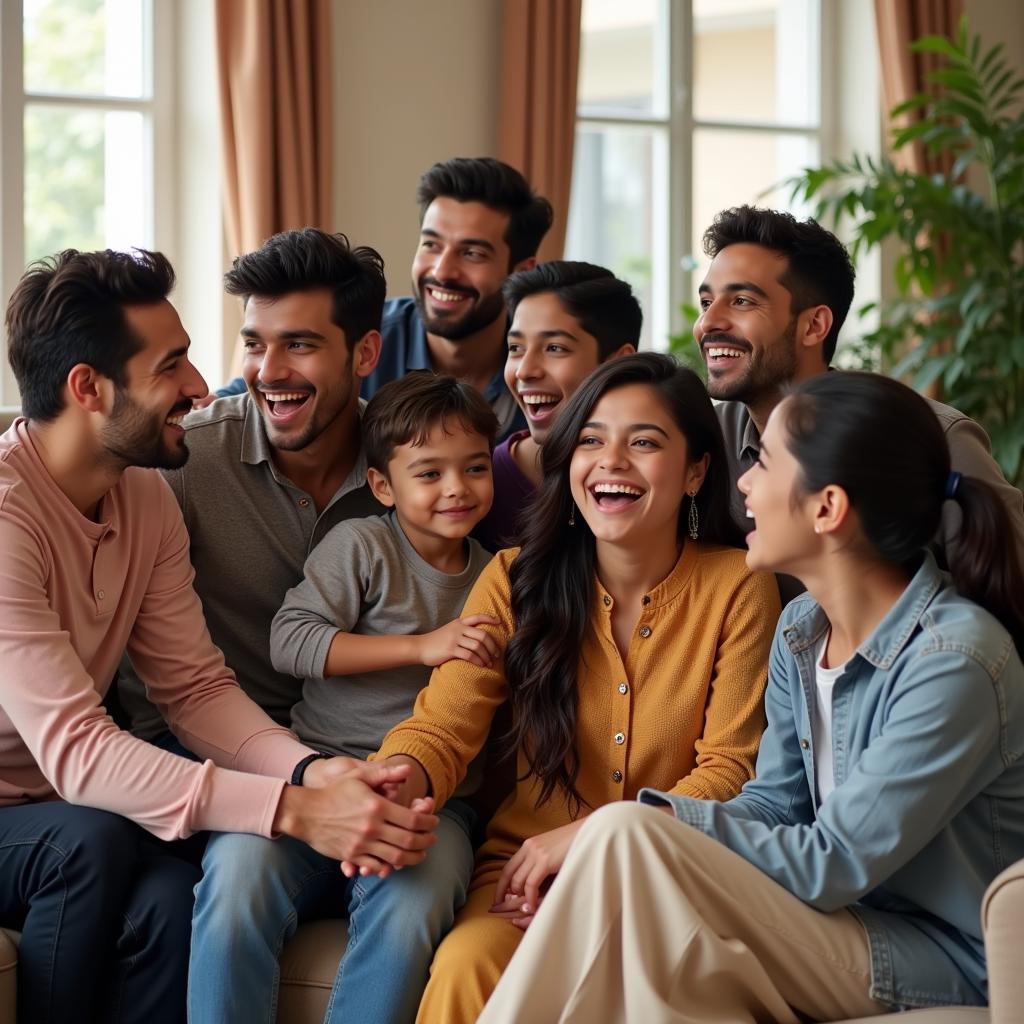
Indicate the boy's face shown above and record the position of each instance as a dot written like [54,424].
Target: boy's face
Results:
[441,488]
[549,355]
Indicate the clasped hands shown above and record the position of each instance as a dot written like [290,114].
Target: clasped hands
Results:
[365,814]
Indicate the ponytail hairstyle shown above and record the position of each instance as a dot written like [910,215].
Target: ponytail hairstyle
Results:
[552,577]
[840,428]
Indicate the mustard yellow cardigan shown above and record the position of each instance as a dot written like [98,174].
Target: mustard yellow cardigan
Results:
[683,713]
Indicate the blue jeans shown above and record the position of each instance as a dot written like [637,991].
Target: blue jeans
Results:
[255,892]
[104,912]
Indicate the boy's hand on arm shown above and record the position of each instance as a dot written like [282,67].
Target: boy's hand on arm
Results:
[349,820]
[461,638]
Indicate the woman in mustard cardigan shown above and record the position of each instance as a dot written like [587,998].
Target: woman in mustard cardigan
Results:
[636,646]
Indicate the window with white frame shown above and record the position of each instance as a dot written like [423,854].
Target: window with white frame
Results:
[686,107]
[80,132]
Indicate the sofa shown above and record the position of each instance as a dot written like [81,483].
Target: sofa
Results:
[310,960]
[308,965]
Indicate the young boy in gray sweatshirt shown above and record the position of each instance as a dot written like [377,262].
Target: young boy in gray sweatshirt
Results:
[378,607]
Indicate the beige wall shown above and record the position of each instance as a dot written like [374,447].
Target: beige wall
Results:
[414,83]
[419,82]
[999,21]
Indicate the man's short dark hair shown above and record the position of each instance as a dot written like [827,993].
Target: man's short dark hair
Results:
[404,411]
[820,271]
[497,185]
[307,258]
[605,307]
[69,309]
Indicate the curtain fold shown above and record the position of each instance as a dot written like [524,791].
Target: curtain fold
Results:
[899,23]
[537,128]
[274,70]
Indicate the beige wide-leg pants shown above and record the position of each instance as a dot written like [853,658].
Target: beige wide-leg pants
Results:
[652,922]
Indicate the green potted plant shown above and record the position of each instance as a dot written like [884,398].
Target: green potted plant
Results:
[958,319]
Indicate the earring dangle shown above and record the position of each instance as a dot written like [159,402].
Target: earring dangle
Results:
[694,524]
[572,515]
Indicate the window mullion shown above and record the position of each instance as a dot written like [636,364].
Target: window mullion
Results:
[12,167]
[828,93]
[595,117]
[105,103]
[163,179]
[756,127]
[680,160]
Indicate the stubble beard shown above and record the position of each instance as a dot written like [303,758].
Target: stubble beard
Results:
[770,369]
[134,437]
[320,421]
[480,315]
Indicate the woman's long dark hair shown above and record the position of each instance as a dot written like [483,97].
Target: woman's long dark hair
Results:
[553,576]
[882,443]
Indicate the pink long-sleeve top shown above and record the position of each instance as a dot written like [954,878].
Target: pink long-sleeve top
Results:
[74,595]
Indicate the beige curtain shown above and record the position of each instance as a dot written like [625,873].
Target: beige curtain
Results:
[274,67]
[899,23]
[540,57]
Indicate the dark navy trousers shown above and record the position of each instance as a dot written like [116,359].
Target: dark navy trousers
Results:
[105,913]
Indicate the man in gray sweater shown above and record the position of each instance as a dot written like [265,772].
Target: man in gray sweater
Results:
[378,606]
[273,469]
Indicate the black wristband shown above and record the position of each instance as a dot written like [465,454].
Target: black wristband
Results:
[300,768]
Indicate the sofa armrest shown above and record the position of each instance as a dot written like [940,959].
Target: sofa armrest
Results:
[8,979]
[1002,917]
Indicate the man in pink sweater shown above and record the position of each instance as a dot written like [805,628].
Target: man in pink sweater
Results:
[94,560]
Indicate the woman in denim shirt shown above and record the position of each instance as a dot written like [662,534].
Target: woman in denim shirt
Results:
[846,879]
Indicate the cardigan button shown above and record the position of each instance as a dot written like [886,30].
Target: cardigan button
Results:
[645,600]
[616,775]
[620,738]
[607,600]
[645,631]
[623,688]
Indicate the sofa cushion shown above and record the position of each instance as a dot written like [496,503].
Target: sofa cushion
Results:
[309,964]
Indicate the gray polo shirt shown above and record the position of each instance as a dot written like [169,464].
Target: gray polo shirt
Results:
[970,453]
[364,577]
[251,530]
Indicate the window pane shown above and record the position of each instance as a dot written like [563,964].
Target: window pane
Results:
[85,175]
[618,214]
[85,47]
[756,61]
[621,59]
[734,167]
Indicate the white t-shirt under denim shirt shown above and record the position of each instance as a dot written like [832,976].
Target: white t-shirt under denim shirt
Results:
[821,718]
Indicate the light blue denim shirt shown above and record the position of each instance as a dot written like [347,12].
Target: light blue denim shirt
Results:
[927,736]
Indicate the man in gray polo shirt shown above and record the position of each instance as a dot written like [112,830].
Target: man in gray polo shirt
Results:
[271,471]
[772,303]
